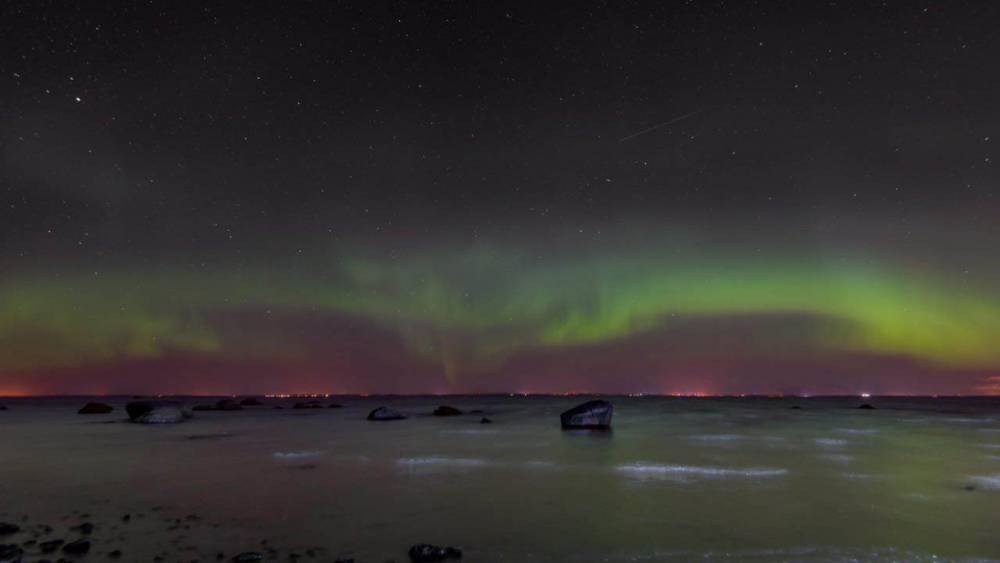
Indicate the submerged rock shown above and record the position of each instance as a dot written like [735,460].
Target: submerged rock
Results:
[95,408]
[594,415]
[6,528]
[424,552]
[445,410]
[156,412]
[866,407]
[78,547]
[385,413]
[251,402]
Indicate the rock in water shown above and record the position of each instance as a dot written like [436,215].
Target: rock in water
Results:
[385,413]
[251,402]
[95,408]
[593,415]
[156,412]
[334,406]
[308,405]
[7,528]
[445,410]
[866,407]
[78,547]
[423,552]
[228,405]
[485,420]
[10,553]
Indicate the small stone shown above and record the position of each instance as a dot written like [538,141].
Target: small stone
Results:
[78,547]
[7,528]
[116,554]
[50,546]
[445,410]
[126,517]
[485,420]
[248,556]
[86,528]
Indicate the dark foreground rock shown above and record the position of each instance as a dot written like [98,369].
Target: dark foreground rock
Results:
[425,552]
[95,408]
[445,410]
[156,412]
[10,553]
[251,402]
[385,413]
[78,547]
[593,415]
[866,407]
[7,528]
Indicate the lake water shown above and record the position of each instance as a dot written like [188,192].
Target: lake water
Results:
[678,479]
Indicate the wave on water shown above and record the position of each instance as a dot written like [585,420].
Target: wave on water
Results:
[682,472]
[439,461]
[838,458]
[858,431]
[830,442]
[987,481]
[297,455]
[716,437]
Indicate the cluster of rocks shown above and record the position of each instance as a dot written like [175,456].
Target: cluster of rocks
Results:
[427,553]
[13,553]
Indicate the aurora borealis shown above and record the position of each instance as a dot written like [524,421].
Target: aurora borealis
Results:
[192,212]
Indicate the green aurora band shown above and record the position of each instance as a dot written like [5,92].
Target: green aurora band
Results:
[469,308]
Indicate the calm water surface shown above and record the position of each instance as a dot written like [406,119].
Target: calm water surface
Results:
[677,479]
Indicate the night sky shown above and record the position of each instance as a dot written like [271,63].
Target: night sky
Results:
[683,197]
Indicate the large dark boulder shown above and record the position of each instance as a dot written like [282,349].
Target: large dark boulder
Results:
[95,408]
[156,412]
[251,402]
[445,410]
[593,415]
[424,552]
[385,413]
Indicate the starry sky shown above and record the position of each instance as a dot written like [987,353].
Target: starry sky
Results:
[673,197]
